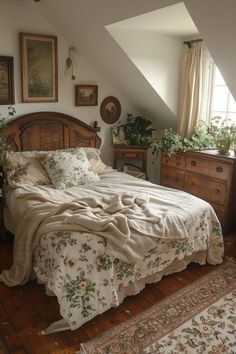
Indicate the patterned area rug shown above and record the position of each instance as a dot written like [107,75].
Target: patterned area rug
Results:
[200,318]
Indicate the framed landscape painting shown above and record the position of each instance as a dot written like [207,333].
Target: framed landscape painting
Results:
[6,80]
[39,68]
[86,95]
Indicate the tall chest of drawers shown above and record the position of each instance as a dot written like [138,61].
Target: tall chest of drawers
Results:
[207,175]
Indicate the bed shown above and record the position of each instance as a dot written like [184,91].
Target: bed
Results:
[92,244]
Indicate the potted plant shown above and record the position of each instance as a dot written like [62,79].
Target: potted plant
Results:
[137,130]
[223,131]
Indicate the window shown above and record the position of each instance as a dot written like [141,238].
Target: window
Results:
[222,102]
[216,100]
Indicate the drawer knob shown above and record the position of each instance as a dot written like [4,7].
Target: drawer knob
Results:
[193,163]
[219,169]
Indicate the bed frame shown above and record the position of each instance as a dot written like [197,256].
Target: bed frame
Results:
[49,131]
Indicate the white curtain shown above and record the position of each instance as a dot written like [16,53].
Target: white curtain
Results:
[190,89]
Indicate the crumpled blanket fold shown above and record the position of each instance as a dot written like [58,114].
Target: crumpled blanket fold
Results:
[126,221]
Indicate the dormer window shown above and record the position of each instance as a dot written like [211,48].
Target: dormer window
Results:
[216,100]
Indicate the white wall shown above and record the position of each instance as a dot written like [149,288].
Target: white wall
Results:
[157,56]
[16,16]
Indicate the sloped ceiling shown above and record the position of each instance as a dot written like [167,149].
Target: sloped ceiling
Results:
[83,25]
[154,43]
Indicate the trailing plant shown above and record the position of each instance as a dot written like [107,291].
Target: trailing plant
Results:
[3,123]
[204,137]
[220,134]
[3,145]
[137,130]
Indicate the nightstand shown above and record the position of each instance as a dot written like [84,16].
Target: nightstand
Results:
[131,153]
[134,171]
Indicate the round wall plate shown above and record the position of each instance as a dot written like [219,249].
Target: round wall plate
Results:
[110,110]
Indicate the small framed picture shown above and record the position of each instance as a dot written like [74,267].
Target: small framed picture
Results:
[118,135]
[6,80]
[39,68]
[86,95]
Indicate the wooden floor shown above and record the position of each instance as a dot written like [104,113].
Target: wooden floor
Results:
[26,310]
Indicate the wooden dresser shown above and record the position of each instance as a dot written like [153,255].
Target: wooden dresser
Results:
[207,175]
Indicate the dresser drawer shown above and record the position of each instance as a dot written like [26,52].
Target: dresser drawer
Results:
[172,177]
[208,168]
[174,161]
[196,165]
[130,154]
[206,188]
[220,171]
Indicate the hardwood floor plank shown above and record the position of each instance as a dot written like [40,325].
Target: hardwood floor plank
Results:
[11,338]
[47,306]
[36,343]
[168,285]
[152,293]
[20,311]
[103,322]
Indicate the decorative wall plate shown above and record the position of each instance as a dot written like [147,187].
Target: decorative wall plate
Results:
[110,110]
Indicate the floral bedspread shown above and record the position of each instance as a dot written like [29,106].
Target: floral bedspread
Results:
[86,281]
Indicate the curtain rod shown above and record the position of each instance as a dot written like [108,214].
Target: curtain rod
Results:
[189,43]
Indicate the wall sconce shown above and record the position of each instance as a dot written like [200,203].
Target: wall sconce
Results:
[71,64]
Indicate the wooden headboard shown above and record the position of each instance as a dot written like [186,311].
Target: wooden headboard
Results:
[49,131]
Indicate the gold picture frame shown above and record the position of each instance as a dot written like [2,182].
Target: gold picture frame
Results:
[39,68]
[6,80]
[86,95]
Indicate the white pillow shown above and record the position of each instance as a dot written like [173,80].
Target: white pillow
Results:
[68,168]
[93,155]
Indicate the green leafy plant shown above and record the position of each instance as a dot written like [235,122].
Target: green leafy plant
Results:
[224,132]
[137,130]
[3,123]
[3,145]
[171,142]
[220,134]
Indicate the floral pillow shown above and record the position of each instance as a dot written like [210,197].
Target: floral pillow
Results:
[24,169]
[96,163]
[68,168]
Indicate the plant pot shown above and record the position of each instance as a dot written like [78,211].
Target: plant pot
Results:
[223,145]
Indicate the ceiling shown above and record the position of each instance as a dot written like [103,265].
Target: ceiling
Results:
[83,24]
[173,20]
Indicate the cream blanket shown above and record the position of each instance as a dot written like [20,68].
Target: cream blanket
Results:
[126,221]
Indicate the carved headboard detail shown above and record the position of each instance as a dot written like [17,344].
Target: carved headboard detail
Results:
[49,131]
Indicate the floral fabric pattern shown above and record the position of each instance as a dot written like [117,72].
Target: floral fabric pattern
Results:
[87,281]
[199,318]
[68,168]
[24,169]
